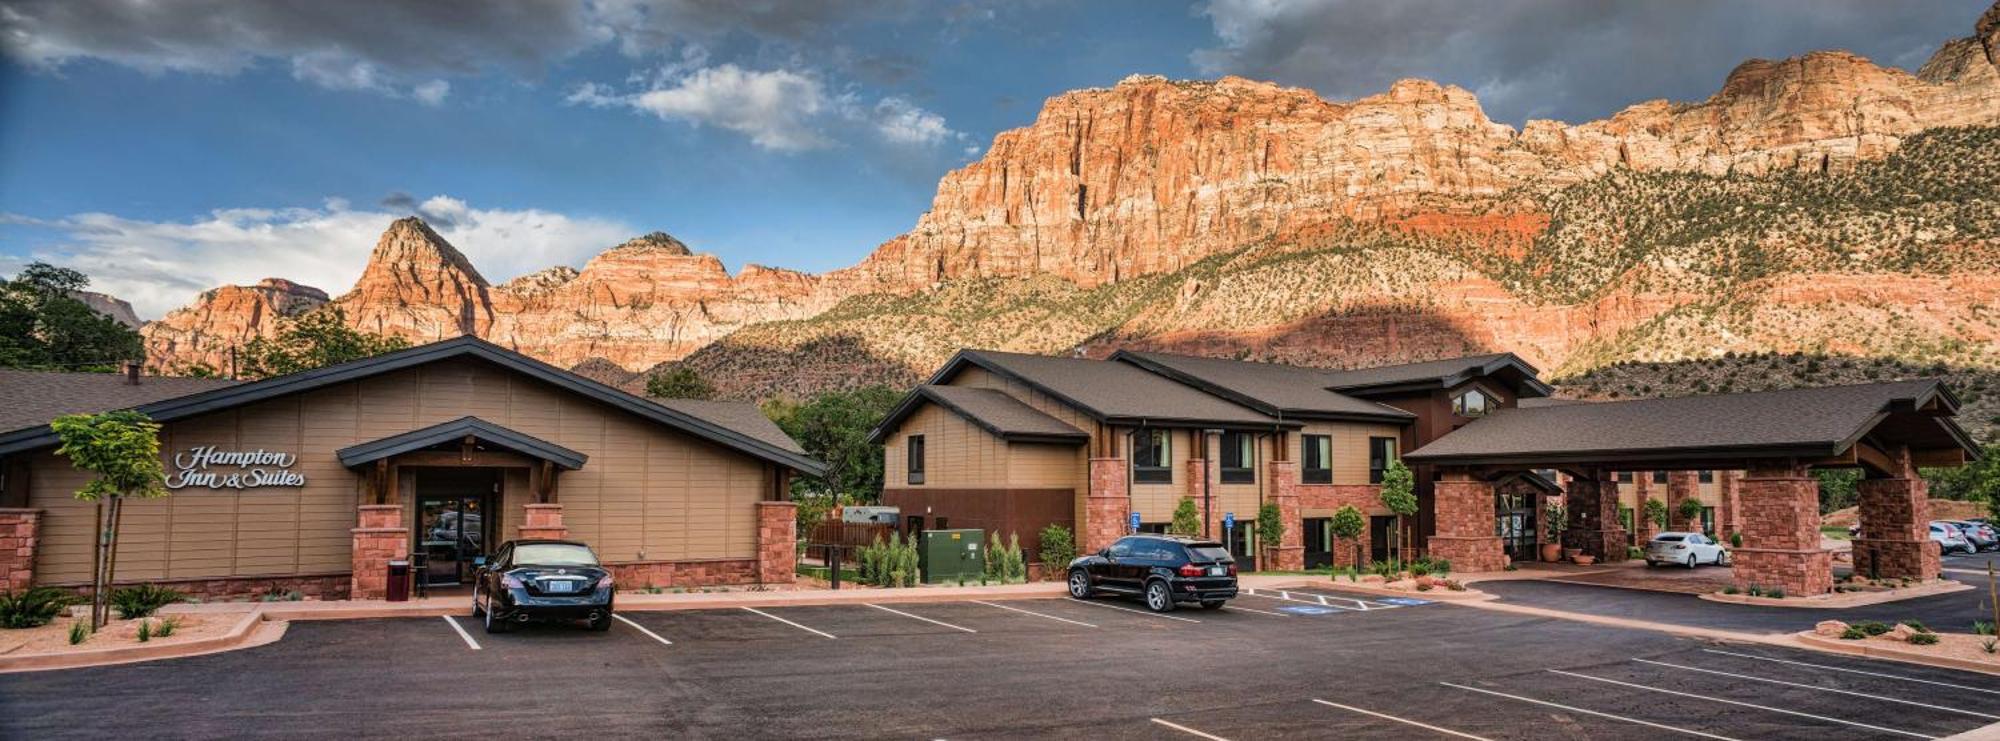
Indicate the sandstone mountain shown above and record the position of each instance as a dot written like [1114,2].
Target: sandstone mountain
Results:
[1819,204]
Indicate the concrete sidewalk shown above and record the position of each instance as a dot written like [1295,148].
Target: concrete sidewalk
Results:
[630,602]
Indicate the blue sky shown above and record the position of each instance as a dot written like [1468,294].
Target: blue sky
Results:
[166,148]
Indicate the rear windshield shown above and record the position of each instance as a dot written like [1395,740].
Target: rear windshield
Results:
[1668,539]
[554,554]
[1208,553]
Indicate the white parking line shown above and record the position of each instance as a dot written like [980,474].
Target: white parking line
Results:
[1586,711]
[641,628]
[790,623]
[1323,600]
[1289,598]
[1855,671]
[1742,704]
[461,632]
[1128,609]
[1189,731]
[920,617]
[1036,614]
[1237,608]
[1405,721]
[1868,695]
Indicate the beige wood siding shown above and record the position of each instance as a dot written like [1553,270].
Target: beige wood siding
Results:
[957,453]
[1156,502]
[1044,466]
[1350,446]
[647,492]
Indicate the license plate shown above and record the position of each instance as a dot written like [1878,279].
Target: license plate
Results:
[559,586]
[1218,571]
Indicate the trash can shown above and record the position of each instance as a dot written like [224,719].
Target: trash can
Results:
[399,581]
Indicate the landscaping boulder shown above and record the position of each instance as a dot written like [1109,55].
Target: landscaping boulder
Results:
[1900,633]
[1829,628]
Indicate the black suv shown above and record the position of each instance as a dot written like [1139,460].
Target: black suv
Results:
[1165,569]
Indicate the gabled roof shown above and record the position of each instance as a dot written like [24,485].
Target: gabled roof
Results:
[1437,374]
[1811,422]
[1271,388]
[993,410]
[740,416]
[1110,392]
[167,410]
[459,429]
[29,398]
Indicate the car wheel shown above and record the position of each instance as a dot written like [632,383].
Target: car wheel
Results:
[1158,598]
[495,625]
[1690,560]
[477,611]
[1079,584]
[602,623]
[1211,604]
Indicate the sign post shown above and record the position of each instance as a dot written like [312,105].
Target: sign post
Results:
[1135,521]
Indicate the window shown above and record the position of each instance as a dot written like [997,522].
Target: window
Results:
[1239,454]
[1152,457]
[1659,477]
[1316,459]
[916,455]
[1123,548]
[1624,477]
[1708,519]
[1381,450]
[1707,477]
[554,554]
[1472,403]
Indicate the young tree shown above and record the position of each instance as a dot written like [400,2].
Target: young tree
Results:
[833,427]
[316,339]
[1656,512]
[1187,519]
[122,452]
[1691,511]
[1348,525]
[1058,548]
[1270,532]
[681,382]
[1399,495]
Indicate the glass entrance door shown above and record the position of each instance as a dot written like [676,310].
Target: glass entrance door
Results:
[453,534]
[1319,542]
[1515,523]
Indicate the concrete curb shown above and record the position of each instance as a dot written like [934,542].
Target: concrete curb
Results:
[1669,628]
[250,630]
[1842,601]
[1878,651]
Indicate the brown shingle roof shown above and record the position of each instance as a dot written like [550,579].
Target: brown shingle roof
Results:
[1436,372]
[1268,387]
[34,398]
[741,416]
[1111,390]
[1812,421]
[1001,414]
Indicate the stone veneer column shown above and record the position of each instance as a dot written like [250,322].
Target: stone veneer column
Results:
[1895,538]
[1780,511]
[1726,510]
[379,539]
[19,534]
[544,521]
[1682,486]
[1465,522]
[1593,518]
[777,542]
[1106,506]
[1290,553]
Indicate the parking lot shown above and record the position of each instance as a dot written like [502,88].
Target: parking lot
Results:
[1302,663]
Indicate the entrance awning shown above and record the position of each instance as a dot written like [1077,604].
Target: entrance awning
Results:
[457,430]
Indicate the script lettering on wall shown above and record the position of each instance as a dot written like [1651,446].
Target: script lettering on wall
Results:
[206,466]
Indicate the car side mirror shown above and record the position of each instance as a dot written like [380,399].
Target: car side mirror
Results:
[479,562]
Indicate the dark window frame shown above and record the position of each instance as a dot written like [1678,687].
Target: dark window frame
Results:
[1625,477]
[1160,470]
[1378,459]
[1487,403]
[1238,471]
[1659,477]
[914,448]
[1323,474]
[1705,476]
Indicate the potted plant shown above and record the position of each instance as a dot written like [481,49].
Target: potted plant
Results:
[1555,520]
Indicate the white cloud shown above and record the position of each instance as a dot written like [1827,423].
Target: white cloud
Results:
[902,122]
[780,110]
[162,265]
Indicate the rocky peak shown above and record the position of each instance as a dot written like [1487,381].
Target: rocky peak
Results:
[420,286]
[289,290]
[410,250]
[541,282]
[653,242]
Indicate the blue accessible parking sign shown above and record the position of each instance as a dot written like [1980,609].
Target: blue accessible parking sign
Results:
[1307,610]
[1135,522]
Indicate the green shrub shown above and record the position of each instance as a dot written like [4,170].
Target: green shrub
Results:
[145,630]
[1386,569]
[33,607]
[167,627]
[1853,633]
[1982,628]
[143,600]
[1756,591]
[1420,568]
[1187,519]
[1736,540]
[993,561]
[1990,645]
[1731,589]
[1923,639]
[1058,547]
[1872,627]
[1775,593]
[1917,625]
[79,631]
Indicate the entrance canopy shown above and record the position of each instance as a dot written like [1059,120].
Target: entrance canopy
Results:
[482,433]
[1843,426]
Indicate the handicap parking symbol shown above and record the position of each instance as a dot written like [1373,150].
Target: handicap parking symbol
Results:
[1404,601]
[1307,610]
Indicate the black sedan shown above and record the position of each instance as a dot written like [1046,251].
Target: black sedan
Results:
[542,580]
[1164,569]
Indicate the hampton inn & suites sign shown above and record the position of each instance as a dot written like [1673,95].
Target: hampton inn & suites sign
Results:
[207,466]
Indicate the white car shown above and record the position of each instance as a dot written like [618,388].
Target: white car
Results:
[1685,549]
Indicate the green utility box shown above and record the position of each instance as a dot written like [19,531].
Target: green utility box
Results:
[945,556]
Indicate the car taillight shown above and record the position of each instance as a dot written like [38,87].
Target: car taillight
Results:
[1188,569]
[1232,569]
[511,581]
[1680,548]
[604,583]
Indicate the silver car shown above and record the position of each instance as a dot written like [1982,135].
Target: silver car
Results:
[1980,534]
[1949,538]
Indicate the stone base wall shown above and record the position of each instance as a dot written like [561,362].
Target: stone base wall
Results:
[543,521]
[308,586]
[379,539]
[19,536]
[1289,553]
[1465,526]
[1331,497]
[1780,516]
[670,574]
[1799,573]
[1594,527]
[1897,559]
[1895,522]
[777,542]
[1106,507]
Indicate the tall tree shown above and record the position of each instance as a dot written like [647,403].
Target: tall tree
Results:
[834,427]
[1400,497]
[1976,481]
[43,325]
[681,382]
[121,451]
[315,339]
